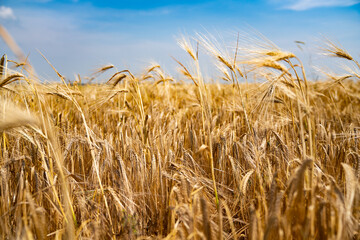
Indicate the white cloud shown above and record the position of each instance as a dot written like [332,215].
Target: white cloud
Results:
[300,5]
[83,39]
[6,13]
[153,12]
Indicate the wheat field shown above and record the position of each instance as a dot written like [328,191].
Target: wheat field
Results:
[266,153]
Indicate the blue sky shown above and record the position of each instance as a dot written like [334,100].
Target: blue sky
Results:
[78,36]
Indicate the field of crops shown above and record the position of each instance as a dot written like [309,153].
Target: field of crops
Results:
[264,154]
